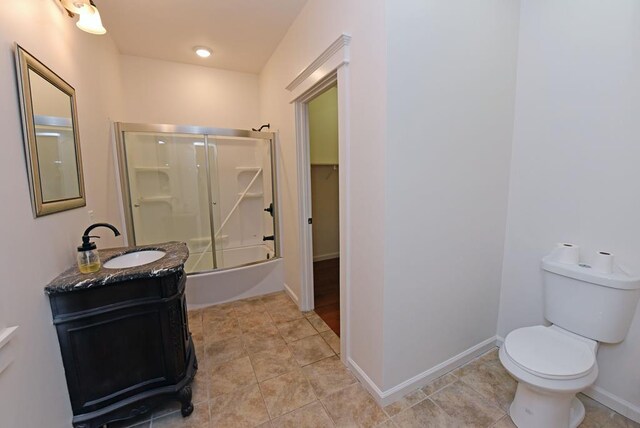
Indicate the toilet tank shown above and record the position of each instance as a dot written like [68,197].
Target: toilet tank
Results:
[599,306]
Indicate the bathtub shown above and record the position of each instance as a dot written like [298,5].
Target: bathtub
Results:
[239,277]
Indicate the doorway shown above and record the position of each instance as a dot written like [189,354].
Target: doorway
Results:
[322,120]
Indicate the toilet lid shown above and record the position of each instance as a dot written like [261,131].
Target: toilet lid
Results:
[548,353]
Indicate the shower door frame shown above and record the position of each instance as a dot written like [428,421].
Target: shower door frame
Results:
[200,131]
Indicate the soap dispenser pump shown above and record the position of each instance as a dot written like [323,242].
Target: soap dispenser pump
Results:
[88,257]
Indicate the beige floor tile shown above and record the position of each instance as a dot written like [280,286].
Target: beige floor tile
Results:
[254,321]
[228,377]
[310,416]
[199,387]
[195,323]
[215,331]
[310,349]
[217,313]
[280,296]
[296,330]
[244,307]
[332,340]
[284,313]
[386,424]
[273,362]
[466,406]
[505,422]
[262,339]
[490,356]
[328,376]
[317,322]
[470,366]
[198,419]
[286,392]
[424,414]
[223,351]
[405,402]
[353,406]
[493,382]
[243,408]
[600,416]
[438,384]
[197,333]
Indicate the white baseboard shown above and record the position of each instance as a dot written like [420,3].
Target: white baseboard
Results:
[291,294]
[614,402]
[321,257]
[499,341]
[395,393]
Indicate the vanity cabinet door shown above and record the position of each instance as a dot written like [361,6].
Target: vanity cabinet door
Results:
[111,357]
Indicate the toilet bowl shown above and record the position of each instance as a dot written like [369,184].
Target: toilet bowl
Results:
[551,366]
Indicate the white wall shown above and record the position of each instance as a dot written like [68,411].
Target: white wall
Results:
[158,91]
[448,148]
[33,390]
[325,204]
[318,25]
[574,172]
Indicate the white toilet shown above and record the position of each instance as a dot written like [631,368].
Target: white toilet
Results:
[552,364]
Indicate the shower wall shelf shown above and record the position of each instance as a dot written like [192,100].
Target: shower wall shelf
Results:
[252,195]
[248,168]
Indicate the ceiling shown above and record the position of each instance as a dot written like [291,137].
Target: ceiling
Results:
[242,33]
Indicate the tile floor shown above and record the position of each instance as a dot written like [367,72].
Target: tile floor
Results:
[265,364]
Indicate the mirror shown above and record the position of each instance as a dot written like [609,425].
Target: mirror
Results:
[52,144]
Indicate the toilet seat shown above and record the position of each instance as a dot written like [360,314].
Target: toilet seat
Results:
[549,353]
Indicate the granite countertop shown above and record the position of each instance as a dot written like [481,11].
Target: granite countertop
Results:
[72,279]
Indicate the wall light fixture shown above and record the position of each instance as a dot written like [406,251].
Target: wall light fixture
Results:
[89,17]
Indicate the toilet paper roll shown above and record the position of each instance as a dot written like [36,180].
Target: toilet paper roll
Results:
[567,253]
[603,262]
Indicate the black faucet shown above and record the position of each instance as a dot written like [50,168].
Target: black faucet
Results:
[86,244]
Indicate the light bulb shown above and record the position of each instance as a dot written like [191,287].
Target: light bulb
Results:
[90,20]
[202,52]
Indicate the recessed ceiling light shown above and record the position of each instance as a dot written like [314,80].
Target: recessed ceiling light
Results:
[202,52]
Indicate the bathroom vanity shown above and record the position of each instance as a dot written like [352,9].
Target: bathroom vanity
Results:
[124,336]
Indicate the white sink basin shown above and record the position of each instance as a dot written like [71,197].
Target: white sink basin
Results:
[137,258]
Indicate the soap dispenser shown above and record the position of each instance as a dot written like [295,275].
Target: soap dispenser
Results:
[88,257]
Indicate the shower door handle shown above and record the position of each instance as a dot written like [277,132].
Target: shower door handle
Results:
[270,209]
[269,238]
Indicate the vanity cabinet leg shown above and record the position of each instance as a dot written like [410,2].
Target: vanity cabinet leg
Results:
[184,395]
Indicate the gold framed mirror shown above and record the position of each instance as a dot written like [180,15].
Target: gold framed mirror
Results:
[51,137]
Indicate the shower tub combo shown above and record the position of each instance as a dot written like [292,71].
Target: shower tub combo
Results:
[213,189]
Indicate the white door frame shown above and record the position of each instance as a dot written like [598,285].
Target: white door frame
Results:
[331,67]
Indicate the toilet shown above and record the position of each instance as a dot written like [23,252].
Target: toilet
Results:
[553,363]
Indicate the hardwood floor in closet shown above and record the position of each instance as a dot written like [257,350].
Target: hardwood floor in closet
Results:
[326,290]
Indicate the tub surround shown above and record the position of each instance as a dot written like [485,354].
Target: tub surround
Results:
[72,279]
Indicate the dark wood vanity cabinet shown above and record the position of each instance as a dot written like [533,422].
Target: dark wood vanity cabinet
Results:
[126,348]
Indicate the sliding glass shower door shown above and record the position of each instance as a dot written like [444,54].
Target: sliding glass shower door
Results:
[212,190]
